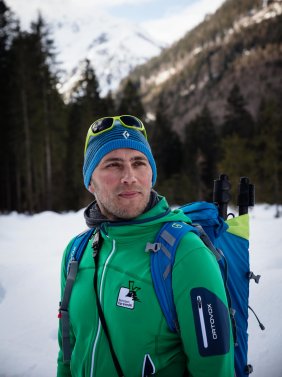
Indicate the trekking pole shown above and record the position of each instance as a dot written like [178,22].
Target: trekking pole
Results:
[221,194]
[246,195]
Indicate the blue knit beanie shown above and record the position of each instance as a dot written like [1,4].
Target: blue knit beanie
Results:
[116,138]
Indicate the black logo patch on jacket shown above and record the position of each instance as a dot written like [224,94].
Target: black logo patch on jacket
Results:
[212,322]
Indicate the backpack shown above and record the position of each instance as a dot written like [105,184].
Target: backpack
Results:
[228,241]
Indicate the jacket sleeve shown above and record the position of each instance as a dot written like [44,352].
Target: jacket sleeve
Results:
[63,369]
[202,310]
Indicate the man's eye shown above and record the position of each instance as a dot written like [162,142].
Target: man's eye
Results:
[112,165]
[139,163]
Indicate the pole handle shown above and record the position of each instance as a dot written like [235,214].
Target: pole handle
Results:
[246,195]
[221,194]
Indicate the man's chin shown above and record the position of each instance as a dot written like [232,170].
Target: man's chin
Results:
[131,212]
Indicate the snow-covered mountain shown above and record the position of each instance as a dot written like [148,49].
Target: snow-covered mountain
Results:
[240,43]
[114,47]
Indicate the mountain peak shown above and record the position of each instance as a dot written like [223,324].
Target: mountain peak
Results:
[113,47]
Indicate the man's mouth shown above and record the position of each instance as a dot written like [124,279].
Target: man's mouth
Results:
[129,194]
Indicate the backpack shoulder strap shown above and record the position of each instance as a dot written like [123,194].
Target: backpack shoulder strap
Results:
[162,260]
[77,248]
[71,264]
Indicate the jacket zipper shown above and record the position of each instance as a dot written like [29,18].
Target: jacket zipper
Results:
[202,321]
[99,322]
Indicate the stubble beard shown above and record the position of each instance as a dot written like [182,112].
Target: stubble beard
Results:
[114,210]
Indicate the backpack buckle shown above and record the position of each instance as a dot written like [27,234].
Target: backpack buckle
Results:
[155,247]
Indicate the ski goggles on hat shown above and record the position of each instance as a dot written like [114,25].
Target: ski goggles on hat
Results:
[106,124]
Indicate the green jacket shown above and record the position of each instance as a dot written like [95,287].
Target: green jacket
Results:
[137,327]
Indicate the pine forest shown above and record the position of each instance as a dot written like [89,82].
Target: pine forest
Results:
[196,134]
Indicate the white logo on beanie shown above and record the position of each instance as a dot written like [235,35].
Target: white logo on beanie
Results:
[126,134]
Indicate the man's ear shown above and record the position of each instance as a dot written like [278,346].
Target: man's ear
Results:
[91,188]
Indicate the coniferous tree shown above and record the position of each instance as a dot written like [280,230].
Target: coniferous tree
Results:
[237,119]
[20,122]
[8,26]
[268,148]
[167,149]
[201,153]
[130,102]
[85,107]
[166,144]
[109,105]
[237,160]
[37,125]
[237,151]
[45,60]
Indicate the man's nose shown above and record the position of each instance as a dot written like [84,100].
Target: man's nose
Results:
[128,175]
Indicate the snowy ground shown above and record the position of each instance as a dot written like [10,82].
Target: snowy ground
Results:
[30,254]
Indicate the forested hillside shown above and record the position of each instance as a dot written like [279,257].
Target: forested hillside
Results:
[211,104]
[220,89]
[240,43]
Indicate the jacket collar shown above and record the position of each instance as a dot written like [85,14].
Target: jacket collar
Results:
[94,217]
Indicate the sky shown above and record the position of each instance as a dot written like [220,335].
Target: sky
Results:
[164,20]
[31,248]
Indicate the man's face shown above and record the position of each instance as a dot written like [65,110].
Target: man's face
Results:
[122,184]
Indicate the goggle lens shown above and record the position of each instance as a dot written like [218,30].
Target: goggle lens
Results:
[131,121]
[102,125]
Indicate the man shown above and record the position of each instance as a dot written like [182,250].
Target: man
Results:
[120,171]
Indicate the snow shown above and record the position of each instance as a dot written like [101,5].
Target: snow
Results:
[113,46]
[135,32]
[30,253]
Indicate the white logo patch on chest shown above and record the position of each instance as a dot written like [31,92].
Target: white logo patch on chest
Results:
[125,299]
[128,296]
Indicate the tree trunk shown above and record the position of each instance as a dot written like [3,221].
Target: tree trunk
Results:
[27,152]
[48,159]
